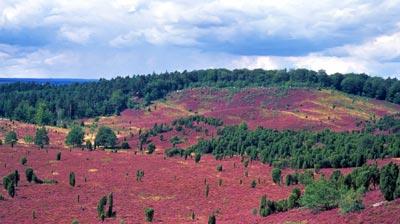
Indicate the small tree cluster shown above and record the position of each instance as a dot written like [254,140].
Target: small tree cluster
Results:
[101,213]
[139,175]
[268,207]
[10,182]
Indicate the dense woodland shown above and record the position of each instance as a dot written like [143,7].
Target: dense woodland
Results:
[56,104]
[300,149]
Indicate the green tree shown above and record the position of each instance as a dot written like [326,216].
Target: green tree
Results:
[150,148]
[75,137]
[276,175]
[29,174]
[388,177]
[42,115]
[350,200]
[212,219]
[110,212]
[106,137]
[11,190]
[100,207]
[320,195]
[72,179]
[11,138]
[149,213]
[41,137]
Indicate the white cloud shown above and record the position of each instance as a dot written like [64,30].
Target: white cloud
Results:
[77,35]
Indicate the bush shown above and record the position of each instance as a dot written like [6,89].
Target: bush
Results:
[264,210]
[149,213]
[23,160]
[388,177]
[253,184]
[293,200]
[110,212]
[151,148]
[219,168]
[72,179]
[197,157]
[212,219]
[29,174]
[350,201]
[58,157]
[174,152]
[125,145]
[320,195]
[28,139]
[276,175]
[11,138]
[11,190]
[207,191]
[6,182]
[100,207]
[139,175]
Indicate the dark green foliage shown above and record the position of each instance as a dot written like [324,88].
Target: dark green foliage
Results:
[7,181]
[197,157]
[306,178]
[175,141]
[388,177]
[75,136]
[336,175]
[72,179]
[212,219]
[294,198]
[29,174]
[11,138]
[276,175]
[320,195]
[219,168]
[263,209]
[188,121]
[350,201]
[299,149]
[174,152]
[100,208]
[125,145]
[253,184]
[106,137]
[151,148]
[11,190]
[75,221]
[149,213]
[58,157]
[110,212]
[23,160]
[139,175]
[41,137]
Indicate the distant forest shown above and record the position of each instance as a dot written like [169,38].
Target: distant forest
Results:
[55,104]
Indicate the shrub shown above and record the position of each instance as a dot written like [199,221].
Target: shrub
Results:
[350,201]
[75,137]
[6,182]
[125,145]
[276,175]
[11,138]
[174,152]
[320,195]
[151,148]
[293,200]
[23,160]
[100,207]
[253,184]
[75,221]
[264,210]
[58,157]
[28,139]
[11,190]
[212,219]
[139,175]
[110,212]
[388,177]
[72,179]
[219,168]
[197,157]
[29,174]
[149,213]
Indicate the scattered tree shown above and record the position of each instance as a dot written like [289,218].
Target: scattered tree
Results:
[41,137]
[75,136]
[11,138]
[106,137]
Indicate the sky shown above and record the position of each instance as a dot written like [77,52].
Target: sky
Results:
[103,38]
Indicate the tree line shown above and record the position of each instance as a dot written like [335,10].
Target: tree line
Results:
[57,104]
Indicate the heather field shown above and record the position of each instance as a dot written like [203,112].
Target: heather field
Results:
[174,187]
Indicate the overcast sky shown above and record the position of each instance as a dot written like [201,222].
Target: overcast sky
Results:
[103,38]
